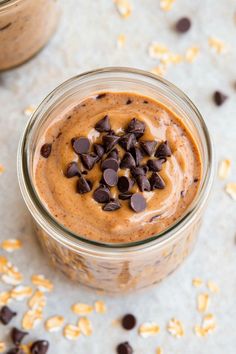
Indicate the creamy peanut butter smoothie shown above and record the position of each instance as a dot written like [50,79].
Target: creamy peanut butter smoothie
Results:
[118,167]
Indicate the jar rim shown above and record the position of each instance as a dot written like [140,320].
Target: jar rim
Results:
[72,240]
[5,4]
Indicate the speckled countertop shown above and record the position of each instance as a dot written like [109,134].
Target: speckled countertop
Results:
[87,39]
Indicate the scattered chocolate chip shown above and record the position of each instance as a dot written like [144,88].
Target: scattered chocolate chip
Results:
[136,127]
[156,182]
[80,145]
[125,196]
[129,101]
[39,347]
[219,98]
[6,315]
[155,165]
[99,150]
[88,160]
[127,161]
[183,25]
[154,218]
[110,177]
[103,125]
[138,171]
[138,202]
[72,170]
[143,183]
[110,141]
[125,184]
[127,141]
[128,321]
[110,163]
[114,154]
[163,150]
[16,350]
[124,348]
[17,335]
[100,96]
[102,194]
[148,146]
[137,155]
[5,26]
[46,150]
[83,185]
[112,206]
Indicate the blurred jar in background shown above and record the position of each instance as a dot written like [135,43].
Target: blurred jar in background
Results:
[25,27]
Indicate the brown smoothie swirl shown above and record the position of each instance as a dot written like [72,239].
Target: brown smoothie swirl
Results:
[83,215]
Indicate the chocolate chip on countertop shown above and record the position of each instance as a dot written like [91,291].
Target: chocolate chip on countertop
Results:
[99,150]
[110,163]
[16,350]
[127,161]
[83,185]
[46,150]
[114,154]
[110,177]
[156,182]
[39,347]
[17,335]
[136,127]
[80,145]
[163,150]
[148,146]
[125,184]
[183,25]
[100,96]
[138,171]
[219,98]
[112,206]
[124,348]
[155,165]
[143,184]
[128,321]
[103,125]
[127,141]
[109,141]
[138,202]
[125,196]
[72,170]
[6,315]
[88,160]
[102,194]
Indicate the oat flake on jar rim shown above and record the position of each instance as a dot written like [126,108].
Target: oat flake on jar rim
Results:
[25,27]
[114,267]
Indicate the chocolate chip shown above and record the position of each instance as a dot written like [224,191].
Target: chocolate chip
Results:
[103,125]
[114,153]
[72,170]
[219,98]
[110,177]
[124,348]
[127,141]
[17,335]
[137,155]
[80,145]
[84,172]
[102,194]
[16,350]
[125,184]
[127,161]
[100,96]
[99,150]
[128,321]
[136,127]
[138,171]
[6,315]
[110,163]
[125,196]
[83,185]
[163,150]
[129,101]
[112,206]
[183,25]
[148,146]
[88,160]
[46,150]
[110,141]
[39,347]
[156,182]
[143,183]
[138,202]
[155,165]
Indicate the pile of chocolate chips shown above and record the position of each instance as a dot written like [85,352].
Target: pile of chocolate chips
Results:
[130,158]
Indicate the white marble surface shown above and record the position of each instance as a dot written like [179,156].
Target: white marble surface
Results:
[87,39]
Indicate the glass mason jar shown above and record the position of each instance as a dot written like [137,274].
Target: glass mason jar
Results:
[25,27]
[122,267]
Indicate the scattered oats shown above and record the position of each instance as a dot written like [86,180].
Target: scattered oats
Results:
[159,350]
[2,169]
[124,8]
[32,318]
[5,298]
[54,324]
[224,169]
[197,282]
[157,50]
[208,326]
[116,323]
[26,348]
[121,40]
[166,5]
[85,326]
[172,58]
[230,188]
[28,111]
[175,328]
[11,245]
[11,275]
[71,332]
[218,45]
[38,300]
[3,264]
[100,307]
[2,347]
[21,292]
[191,54]
[42,283]
[81,309]
[213,287]
[203,302]
[159,70]
[148,329]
